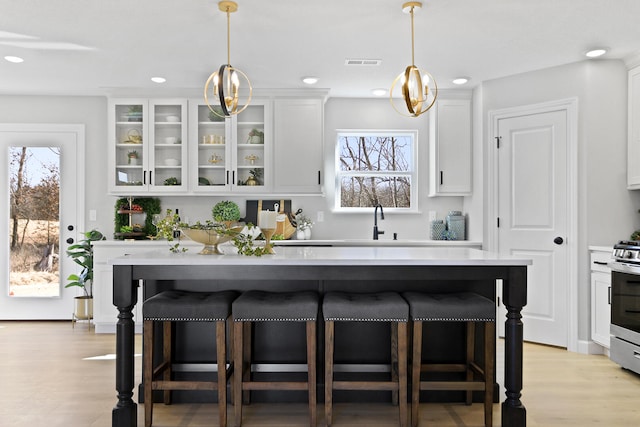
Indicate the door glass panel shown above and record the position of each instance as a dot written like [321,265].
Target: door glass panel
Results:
[34,219]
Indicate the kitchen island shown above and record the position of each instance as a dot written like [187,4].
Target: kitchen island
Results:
[324,269]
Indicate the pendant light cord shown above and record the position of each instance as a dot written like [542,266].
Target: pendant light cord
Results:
[413,62]
[228,36]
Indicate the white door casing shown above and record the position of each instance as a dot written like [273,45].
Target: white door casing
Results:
[534,196]
[70,138]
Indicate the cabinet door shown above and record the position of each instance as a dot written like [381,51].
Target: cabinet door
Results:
[298,145]
[167,164]
[450,148]
[128,153]
[252,149]
[600,307]
[633,141]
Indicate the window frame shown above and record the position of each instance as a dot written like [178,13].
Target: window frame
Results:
[412,174]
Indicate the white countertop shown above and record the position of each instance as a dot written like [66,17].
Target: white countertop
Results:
[325,242]
[320,256]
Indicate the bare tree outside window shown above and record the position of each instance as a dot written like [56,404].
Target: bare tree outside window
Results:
[375,168]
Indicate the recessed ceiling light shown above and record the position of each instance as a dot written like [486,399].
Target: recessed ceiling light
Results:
[14,59]
[310,80]
[158,79]
[460,80]
[379,92]
[594,53]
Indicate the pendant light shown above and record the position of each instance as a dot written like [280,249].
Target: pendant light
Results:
[419,89]
[226,82]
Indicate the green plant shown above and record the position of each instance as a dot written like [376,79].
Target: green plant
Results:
[148,205]
[82,254]
[244,244]
[226,211]
[126,229]
[167,225]
[171,181]
[133,154]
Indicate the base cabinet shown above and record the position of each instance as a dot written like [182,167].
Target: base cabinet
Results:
[600,297]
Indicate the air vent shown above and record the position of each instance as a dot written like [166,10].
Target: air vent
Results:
[362,61]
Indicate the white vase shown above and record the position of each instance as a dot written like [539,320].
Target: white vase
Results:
[307,234]
[300,235]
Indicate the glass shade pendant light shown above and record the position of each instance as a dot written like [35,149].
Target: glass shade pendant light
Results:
[419,89]
[224,84]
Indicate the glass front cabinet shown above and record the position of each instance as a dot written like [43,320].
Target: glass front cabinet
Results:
[232,154]
[148,151]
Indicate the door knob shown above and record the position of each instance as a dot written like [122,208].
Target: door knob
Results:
[558,240]
[70,240]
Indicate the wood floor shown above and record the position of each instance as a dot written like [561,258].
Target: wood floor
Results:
[45,381]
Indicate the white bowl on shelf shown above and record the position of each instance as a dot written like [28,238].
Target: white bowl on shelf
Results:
[171,140]
[171,162]
[173,119]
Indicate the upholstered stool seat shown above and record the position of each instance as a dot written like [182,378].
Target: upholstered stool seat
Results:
[183,306]
[465,307]
[262,306]
[367,307]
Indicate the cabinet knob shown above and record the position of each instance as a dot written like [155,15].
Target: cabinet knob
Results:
[70,240]
[558,240]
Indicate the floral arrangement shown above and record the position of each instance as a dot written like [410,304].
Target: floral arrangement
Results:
[304,222]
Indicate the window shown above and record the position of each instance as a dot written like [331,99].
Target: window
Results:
[376,167]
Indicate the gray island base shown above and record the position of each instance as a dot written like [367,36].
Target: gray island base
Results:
[324,268]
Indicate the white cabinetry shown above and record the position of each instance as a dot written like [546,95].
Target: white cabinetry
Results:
[298,145]
[450,148]
[232,154]
[600,296]
[633,141]
[147,146]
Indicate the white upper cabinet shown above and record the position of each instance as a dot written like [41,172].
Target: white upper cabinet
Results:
[298,145]
[231,155]
[450,154]
[633,142]
[147,146]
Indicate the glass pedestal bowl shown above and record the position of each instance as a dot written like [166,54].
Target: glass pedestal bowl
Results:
[210,238]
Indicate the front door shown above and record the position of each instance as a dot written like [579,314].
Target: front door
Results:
[532,215]
[42,170]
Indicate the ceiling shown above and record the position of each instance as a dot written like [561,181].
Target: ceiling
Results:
[96,47]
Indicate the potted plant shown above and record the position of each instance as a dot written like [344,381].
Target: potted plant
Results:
[256,136]
[226,212]
[82,254]
[133,157]
[255,176]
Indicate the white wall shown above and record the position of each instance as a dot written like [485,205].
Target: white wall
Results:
[607,210]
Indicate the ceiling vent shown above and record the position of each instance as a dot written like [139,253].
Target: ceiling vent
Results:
[362,61]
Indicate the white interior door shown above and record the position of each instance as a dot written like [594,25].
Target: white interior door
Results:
[533,211]
[68,142]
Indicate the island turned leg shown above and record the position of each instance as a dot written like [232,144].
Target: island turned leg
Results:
[125,413]
[514,294]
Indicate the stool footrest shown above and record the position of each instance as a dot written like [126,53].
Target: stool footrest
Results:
[185,385]
[444,367]
[275,385]
[365,385]
[452,385]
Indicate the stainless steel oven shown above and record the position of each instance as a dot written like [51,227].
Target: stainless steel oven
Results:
[625,305]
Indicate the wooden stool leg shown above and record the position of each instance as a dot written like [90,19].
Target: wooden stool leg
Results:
[311,374]
[246,360]
[221,346]
[166,357]
[415,372]
[402,372]
[238,366]
[394,360]
[147,375]
[471,340]
[489,358]
[328,370]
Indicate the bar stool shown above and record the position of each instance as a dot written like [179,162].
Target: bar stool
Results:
[454,307]
[261,306]
[367,307]
[182,306]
